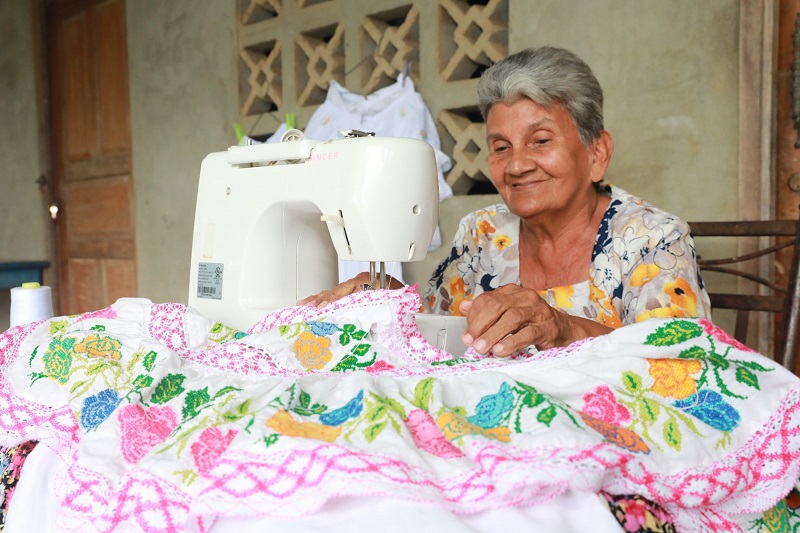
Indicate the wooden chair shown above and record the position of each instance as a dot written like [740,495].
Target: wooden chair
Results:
[783,300]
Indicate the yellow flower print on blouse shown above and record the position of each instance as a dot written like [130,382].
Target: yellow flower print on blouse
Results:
[312,351]
[673,377]
[501,241]
[485,227]
[457,293]
[683,302]
[606,313]
[454,426]
[644,273]
[283,423]
[95,346]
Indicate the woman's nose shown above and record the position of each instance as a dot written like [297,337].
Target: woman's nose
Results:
[520,162]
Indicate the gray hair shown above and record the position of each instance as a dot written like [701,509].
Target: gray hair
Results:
[547,75]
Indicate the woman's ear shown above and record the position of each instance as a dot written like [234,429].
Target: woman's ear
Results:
[602,148]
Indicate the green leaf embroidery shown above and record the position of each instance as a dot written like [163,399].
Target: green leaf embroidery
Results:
[532,399]
[225,390]
[422,394]
[546,415]
[358,335]
[150,360]
[372,432]
[98,327]
[695,352]
[361,350]
[744,375]
[344,338]
[632,381]
[672,434]
[269,440]
[674,332]
[195,399]
[349,328]
[649,410]
[168,388]
[142,381]
[305,399]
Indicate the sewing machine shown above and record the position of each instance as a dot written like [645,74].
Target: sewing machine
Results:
[272,219]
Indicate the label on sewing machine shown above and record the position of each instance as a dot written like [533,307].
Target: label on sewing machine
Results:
[209,280]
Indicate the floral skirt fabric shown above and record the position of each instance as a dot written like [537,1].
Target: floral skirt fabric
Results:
[11,461]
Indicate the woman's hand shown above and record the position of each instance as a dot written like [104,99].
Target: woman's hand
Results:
[511,318]
[343,289]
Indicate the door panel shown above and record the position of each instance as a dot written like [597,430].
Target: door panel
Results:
[91,145]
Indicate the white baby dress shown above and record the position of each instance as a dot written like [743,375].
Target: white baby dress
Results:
[394,111]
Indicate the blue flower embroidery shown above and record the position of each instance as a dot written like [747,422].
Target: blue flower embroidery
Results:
[97,408]
[339,416]
[711,408]
[492,408]
[322,329]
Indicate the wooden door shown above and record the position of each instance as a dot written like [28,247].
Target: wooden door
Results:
[91,149]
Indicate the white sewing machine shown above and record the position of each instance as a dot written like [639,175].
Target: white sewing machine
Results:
[271,220]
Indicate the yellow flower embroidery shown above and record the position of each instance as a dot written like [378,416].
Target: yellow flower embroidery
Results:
[501,241]
[96,346]
[311,351]
[673,377]
[283,423]
[454,426]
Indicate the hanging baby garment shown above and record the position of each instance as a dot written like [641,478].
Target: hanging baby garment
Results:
[394,111]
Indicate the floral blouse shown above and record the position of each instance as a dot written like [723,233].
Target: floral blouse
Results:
[643,265]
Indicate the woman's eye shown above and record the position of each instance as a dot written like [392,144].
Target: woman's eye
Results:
[543,141]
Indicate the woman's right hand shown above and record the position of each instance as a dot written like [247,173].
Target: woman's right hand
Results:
[350,286]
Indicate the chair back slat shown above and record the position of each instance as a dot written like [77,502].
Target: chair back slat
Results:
[783,299]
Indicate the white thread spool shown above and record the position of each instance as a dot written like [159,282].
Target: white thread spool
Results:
[29,303]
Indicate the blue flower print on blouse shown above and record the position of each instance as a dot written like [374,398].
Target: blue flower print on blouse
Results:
[97,408]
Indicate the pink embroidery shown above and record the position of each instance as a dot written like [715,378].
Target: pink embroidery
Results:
[208,448]
[427,435]
[142,430]
[379,366]
[108,313]
[601,403]
[721,335]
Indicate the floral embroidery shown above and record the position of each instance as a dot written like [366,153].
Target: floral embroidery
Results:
[350,410]
[312,351]
[622,437]
[603,405]
[96,346]
[58,359]
[142,429]
[673,378]
[97,408]
[283,423]
[208,448]
[428,437]
[711,408]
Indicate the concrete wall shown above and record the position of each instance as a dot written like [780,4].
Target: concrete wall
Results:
[182,57]
[669,69]
[23,218]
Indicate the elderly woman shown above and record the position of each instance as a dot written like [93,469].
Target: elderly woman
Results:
[566,257]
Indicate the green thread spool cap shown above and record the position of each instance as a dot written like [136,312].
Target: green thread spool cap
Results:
[30,285]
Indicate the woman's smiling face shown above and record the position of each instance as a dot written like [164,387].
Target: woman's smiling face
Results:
[537,160]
